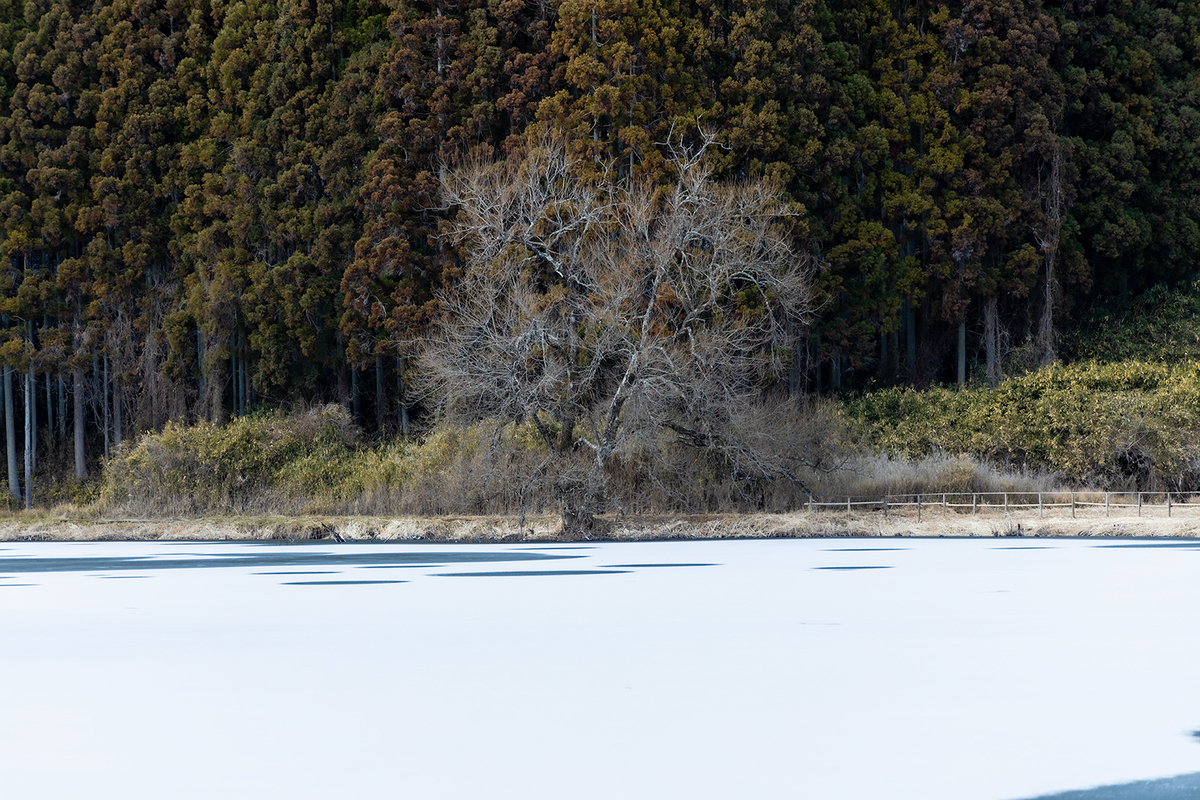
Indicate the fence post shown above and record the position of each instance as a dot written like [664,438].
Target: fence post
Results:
[918,508]
[1168,504]
[1072,505]
[1039,504]
[847,504]
[1106,504]
[943,499]
[1006,503]
[810,504]
[974,498]
[885,506]
[1139,503]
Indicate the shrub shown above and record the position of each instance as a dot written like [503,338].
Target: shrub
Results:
[1125,425]
[255,463]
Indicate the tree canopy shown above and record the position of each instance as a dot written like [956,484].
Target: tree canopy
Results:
[212,205]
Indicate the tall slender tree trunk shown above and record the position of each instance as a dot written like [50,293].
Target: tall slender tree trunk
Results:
[1051,190]
[962,352]
[343,380]
[991,342]
[401,399]
[201,385]
[910,339]
[49,410]
[104,405]
[355,394]
[80,460]
[117,414]
[243,374]
[30,408]
[10,431]
[235,384]
[62,405]
[379,410]
[883,353]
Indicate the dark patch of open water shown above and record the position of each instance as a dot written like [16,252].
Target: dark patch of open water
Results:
[514,573]
[366,557]
[1181,787]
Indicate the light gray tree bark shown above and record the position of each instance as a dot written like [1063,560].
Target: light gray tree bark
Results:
[10,431]
[616,317]
[79,391]
[30,421]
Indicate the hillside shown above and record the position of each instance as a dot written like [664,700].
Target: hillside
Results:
[210,208]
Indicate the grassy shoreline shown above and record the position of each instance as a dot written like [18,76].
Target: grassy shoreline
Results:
[546,528]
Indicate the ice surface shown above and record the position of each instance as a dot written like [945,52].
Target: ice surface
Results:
[965,670]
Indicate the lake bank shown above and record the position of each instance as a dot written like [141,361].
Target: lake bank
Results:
[545,528]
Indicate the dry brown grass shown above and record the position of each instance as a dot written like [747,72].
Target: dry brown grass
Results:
[935,522]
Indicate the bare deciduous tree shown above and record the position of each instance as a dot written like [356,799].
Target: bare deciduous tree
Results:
[616,317]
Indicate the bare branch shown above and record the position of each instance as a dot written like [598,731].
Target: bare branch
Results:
[615,315]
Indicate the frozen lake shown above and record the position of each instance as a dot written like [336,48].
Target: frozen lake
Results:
[938,669]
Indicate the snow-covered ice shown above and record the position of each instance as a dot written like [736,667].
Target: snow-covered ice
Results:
[828,669]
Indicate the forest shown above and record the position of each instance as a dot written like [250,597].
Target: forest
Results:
[214,207]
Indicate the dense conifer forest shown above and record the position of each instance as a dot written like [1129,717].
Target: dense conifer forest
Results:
[209,207]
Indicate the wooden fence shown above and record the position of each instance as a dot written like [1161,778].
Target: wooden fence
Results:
[1007,502]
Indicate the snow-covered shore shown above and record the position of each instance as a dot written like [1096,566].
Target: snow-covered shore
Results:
[934,522]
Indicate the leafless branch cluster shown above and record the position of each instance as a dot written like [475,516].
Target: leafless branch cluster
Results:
[615,316]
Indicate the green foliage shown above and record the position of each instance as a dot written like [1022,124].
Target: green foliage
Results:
[253,460]
[1125,424]
[314,462]
[236,202]
[1161,324]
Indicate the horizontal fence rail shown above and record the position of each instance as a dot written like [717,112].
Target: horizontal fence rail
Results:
[990,502]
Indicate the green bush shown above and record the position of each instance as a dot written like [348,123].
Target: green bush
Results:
[250,463]
[313,462]
[1125,425]
[1162,324]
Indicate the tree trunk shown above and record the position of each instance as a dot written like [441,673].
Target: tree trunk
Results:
[962,352]
[578,514]
[10,430]
[235,382]
[29,411]
[1052,203]
[883,353]
[201,385]
[379,415]
[80,460]
[49,411]
[104,406]
[910,339]
[356,395]
[33,419]
[117,416]
[243,374]
[62,405]
[401,400]
[991,342]
[343,379]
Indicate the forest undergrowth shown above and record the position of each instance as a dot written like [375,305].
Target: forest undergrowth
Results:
[316,462]
[1131,422]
